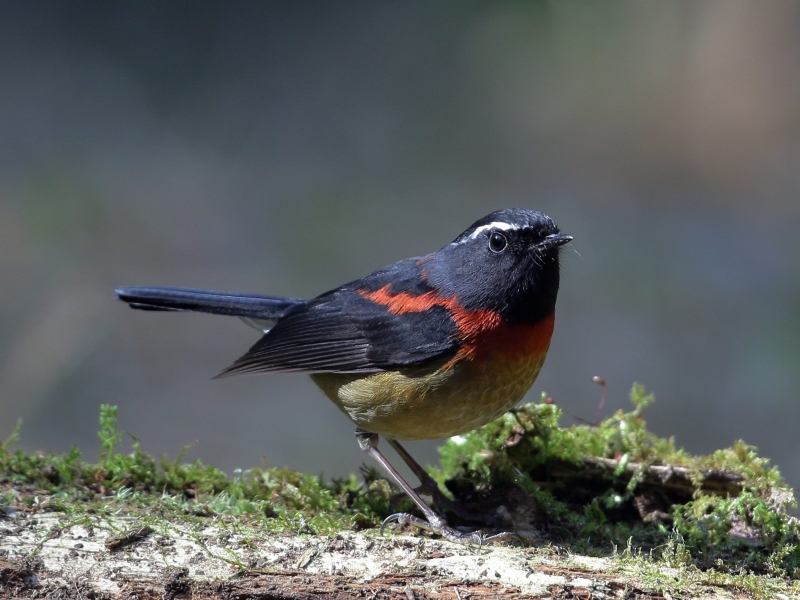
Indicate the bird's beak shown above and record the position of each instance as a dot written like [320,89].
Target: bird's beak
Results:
[553,241]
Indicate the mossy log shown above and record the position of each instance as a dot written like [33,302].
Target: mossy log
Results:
[72,554]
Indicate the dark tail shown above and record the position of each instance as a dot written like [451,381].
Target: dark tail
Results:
[253,306]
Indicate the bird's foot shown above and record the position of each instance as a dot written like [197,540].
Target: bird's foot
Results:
[438,525]
[442,503]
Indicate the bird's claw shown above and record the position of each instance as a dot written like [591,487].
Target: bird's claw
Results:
[440,527]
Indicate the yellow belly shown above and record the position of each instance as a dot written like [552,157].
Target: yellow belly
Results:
[432,402]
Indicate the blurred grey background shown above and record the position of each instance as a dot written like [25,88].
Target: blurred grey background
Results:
[287,147]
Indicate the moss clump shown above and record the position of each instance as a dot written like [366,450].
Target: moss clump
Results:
[278,498]
[617,485]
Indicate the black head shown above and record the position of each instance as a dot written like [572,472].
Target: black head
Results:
[506,262]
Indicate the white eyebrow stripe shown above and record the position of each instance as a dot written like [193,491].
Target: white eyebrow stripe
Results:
[493,225]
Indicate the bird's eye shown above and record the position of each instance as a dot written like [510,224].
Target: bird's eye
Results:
[497,242]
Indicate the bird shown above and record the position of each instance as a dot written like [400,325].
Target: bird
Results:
[429,347]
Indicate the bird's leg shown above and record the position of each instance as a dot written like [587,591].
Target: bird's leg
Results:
[429,487]
[368,442]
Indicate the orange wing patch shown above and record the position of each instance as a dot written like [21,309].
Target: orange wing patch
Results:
[484,333]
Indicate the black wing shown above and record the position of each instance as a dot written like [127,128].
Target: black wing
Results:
[342,331]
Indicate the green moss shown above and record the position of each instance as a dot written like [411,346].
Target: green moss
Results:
[594,489]
[597,488]
[682,578]
[274,498]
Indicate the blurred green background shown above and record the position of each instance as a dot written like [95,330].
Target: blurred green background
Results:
[288,147]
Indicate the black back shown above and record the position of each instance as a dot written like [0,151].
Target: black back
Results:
[405,314]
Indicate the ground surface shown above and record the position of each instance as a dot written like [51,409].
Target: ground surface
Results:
[666,524]
[51,555]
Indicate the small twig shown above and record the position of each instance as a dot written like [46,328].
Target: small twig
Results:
[681,479]
[602,382]
[129,538]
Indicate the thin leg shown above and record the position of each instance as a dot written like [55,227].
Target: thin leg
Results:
[429,487]
[368,442]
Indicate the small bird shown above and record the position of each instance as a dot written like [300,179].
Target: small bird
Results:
[428,347]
